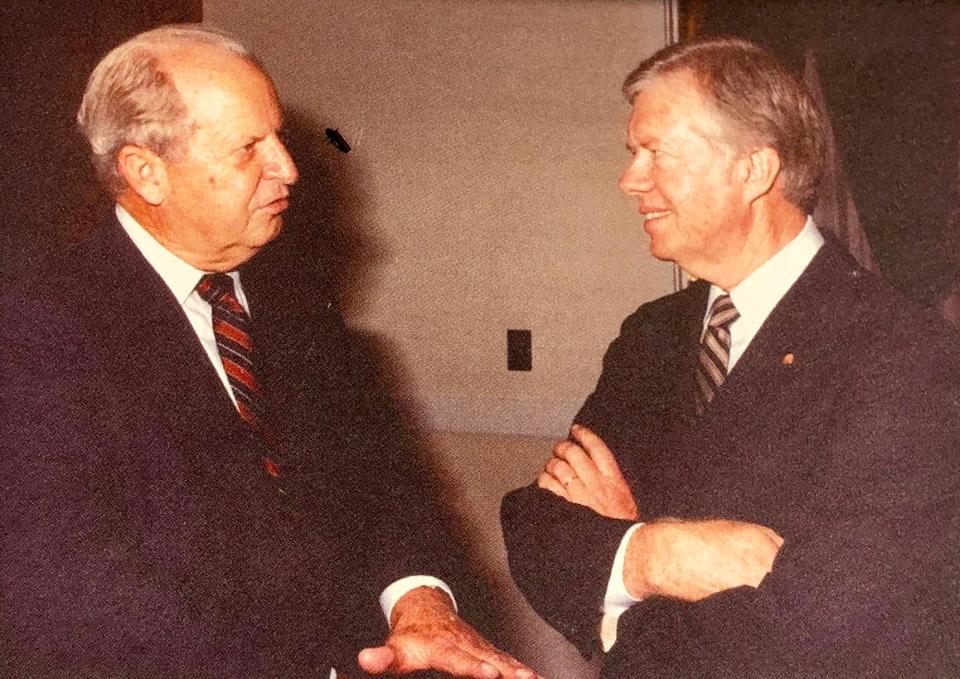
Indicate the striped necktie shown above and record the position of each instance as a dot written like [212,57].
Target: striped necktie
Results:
[714,351]
[231,327]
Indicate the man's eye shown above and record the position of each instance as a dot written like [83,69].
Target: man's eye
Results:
[247,149]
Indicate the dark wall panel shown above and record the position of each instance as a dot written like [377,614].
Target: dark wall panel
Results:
[890,71]
[48,192]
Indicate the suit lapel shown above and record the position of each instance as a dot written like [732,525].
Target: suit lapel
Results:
[293,324]
[688,357]
[161,353]
[793,335]
[758,405]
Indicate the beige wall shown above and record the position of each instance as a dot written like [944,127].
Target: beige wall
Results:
[487,140]
[472,474]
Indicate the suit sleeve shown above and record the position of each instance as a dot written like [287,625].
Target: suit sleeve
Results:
[395,519]
[873,558]
[561,554]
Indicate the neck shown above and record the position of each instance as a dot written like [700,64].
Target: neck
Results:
[151,218]
[773,226]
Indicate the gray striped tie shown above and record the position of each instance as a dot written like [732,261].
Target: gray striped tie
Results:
[714,351]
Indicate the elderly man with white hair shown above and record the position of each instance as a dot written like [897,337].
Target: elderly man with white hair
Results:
[200,477]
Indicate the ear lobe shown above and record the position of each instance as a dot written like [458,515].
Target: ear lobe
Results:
[762,167]
[145,173]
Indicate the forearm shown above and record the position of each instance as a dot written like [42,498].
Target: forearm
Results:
[560,555]
[833,604]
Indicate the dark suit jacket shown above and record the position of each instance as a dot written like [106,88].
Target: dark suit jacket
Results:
[141,534]
[851,453]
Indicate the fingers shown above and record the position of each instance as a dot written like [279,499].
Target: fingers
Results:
[474,656]
[777,540]
[456,650]
[376,660]
[573,474]
[461,663]
[453,660]
[558,476]
[504,665]
[588,460]
[577,460]
[761,534]
[547,482]
[561,470]
[600,454]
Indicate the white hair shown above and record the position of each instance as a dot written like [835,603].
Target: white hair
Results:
[131,99]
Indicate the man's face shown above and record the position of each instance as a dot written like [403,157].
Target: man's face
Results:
[687,183]
[227,194]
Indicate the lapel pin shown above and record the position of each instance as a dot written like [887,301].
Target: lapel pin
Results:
[273,469]
[788,359]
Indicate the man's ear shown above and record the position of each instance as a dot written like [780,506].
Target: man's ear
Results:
[761,168]
[145,173]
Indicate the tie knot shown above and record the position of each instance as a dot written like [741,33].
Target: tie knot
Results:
[216,288]
[723,313]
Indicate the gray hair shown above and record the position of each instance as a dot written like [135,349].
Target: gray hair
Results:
[131,99]
[759,101]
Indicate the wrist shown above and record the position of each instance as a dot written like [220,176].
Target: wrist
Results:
[421,603]
[638,572]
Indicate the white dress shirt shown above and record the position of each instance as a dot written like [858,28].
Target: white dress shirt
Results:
[182,279]
[754,297]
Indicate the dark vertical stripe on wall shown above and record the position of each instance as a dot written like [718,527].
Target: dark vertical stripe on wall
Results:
[49,195]
[890,71]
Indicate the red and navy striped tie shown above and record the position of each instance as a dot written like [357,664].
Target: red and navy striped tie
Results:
[231,327]
[714,355]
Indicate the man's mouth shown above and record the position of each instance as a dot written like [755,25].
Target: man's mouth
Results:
[654,214]
[277,205]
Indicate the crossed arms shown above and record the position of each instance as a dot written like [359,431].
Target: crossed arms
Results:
[862,487]
[686,560]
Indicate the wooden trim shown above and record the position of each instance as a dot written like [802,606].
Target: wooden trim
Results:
[692,18]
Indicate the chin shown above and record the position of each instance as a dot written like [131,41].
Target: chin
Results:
[661,250]
[267,232]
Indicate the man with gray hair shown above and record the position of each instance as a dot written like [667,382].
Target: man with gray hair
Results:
[200,478]
[764,482]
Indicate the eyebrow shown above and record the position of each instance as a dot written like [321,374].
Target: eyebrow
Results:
[644,143]
[245,140]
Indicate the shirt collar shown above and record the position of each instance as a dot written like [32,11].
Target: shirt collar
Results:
[757,294]
[179,276]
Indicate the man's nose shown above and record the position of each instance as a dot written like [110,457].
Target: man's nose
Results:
[280,165]
[636,176]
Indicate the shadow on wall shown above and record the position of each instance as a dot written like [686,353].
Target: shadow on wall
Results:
[326,228]
[328,242]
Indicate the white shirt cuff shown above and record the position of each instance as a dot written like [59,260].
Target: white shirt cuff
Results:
[391,595]
[617,599]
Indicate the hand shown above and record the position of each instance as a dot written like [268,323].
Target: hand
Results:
[587,473]
[426,633]
[690,560]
